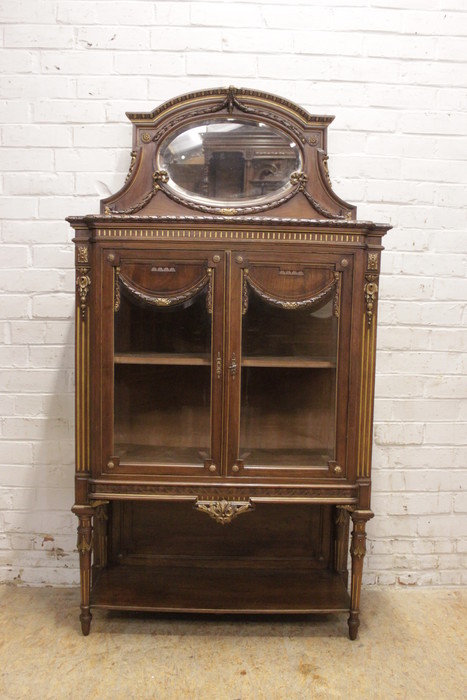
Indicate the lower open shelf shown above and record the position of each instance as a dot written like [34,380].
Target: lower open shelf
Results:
[219,590]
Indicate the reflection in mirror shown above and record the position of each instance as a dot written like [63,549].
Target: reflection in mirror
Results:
[229,161]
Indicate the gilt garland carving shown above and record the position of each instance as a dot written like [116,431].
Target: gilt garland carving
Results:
[285,304]
[156,300]
[301,179]
[133,157]
[336,305]
[223,511]
[229,102]
[83,283]
[370,291]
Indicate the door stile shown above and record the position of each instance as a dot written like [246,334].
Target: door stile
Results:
[233,363]
[218,361]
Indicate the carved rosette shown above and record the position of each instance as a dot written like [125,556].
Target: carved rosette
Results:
[223,512]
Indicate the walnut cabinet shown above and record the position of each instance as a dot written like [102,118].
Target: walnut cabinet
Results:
[226,307]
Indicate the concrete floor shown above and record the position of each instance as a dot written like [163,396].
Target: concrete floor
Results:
[412,644]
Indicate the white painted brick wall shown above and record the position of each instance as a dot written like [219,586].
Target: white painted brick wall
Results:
[394,74]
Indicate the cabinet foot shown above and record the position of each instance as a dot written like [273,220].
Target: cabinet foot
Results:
[357,551]
[85,619]
[353,623]
[84,547]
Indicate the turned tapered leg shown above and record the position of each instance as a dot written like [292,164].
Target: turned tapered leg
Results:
[357,551]
[341,542]
[84,545]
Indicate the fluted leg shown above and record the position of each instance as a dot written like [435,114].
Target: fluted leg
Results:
[84,546]
[341,542]
[357,551]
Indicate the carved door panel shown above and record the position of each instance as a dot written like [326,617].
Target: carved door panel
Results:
[289,354]
[163,361]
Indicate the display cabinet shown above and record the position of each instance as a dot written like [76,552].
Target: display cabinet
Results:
[225,347]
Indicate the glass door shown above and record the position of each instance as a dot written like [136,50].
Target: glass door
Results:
[164,393]
[287,388]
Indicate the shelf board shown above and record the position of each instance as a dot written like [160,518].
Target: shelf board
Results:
[157,358]
[280,361]
[286,457]
[130,453]
[152,358]
[219,590]
[161,454]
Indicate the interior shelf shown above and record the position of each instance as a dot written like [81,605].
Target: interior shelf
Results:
[219,590]
[280,361]
[149,358]
[157,358]
[272,457]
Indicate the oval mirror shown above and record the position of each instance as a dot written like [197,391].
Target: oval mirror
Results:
[229,161]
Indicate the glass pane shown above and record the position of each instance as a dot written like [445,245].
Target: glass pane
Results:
[229,161]
[289,360]
[162,382]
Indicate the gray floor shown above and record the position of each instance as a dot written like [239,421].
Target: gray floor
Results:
[412,644]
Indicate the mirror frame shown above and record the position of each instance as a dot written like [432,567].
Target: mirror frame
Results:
[147,190]
[188,198]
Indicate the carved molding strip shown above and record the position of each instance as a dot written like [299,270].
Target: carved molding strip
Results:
[156,300]
[289,305]
[298,111]
[229,102]
[223,512]
[232,493]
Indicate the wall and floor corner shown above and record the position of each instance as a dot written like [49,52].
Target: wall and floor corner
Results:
[393,73]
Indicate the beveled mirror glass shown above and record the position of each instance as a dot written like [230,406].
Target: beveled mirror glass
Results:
[229,161]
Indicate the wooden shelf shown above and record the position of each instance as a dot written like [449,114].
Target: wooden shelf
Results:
[151,358]
[219,590]
[161,454]
[279,361]
[276,457]
[176,455]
